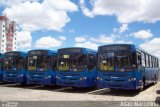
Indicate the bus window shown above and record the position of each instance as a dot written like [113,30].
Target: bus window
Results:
[39,62]
[54,62]
[152,62]
[25,62]
[143,59]
[106,61]
[157,63]
[147,61]
[150,59]
[116,61]
[44,62]
[1,63]
[72,62]
[13,63]
[91,61]
[139,60]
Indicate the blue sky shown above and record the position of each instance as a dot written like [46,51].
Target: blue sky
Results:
[55,24]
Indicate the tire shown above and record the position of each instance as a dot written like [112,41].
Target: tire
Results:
[113,89]
[75,88]
[143,86]
[155,78]
[23,83]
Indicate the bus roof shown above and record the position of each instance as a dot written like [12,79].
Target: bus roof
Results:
[116,45]
[21,53]
[136,47]
[43,50]
[87,50]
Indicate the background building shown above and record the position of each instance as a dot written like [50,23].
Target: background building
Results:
[7,35]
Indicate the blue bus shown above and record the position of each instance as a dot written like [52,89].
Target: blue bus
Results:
[15,67]
[76,67]
[42,67]
[1,66]
[124,66]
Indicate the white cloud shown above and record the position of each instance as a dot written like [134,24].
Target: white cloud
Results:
[153,46]
[87,44]
[48,15]
[14,2]
[63,38]
[103,39]
[85,10]
[48,42]
[80,39]
[126,11]
[123,28]
[142,34]
[94,42]
[24,40]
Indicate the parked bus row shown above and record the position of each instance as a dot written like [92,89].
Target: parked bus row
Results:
[117,66]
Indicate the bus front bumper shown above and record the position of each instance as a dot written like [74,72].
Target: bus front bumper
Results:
[74,83]
[1,77]
[131,85]
[13,78]
[46,80]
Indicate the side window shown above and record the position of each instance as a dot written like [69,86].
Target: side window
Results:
[147,64]
[143,59]
[139,60]
[91,61]
[150,61]
[1,63]
[153,62]
[157,63]
[25,60]
[54,62]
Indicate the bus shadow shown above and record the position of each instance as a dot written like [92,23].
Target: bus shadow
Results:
[124,93]
[34,87]
[77,90]
[18,85]
[121,92]
[48,88]
[148,86]
[157,101]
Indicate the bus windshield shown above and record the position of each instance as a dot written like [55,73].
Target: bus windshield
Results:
[1,63]
[39,63]
[72,62]
[116,61]
[13,63]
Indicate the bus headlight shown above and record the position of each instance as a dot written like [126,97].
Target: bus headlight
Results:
[83,78]
[20,75]
[58,77]
[98,78]
[131,79]
[48,77]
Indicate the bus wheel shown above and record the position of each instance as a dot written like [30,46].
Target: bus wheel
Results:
[143,85]
[155,79]
[75,88]
[113,89]
[23,83]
